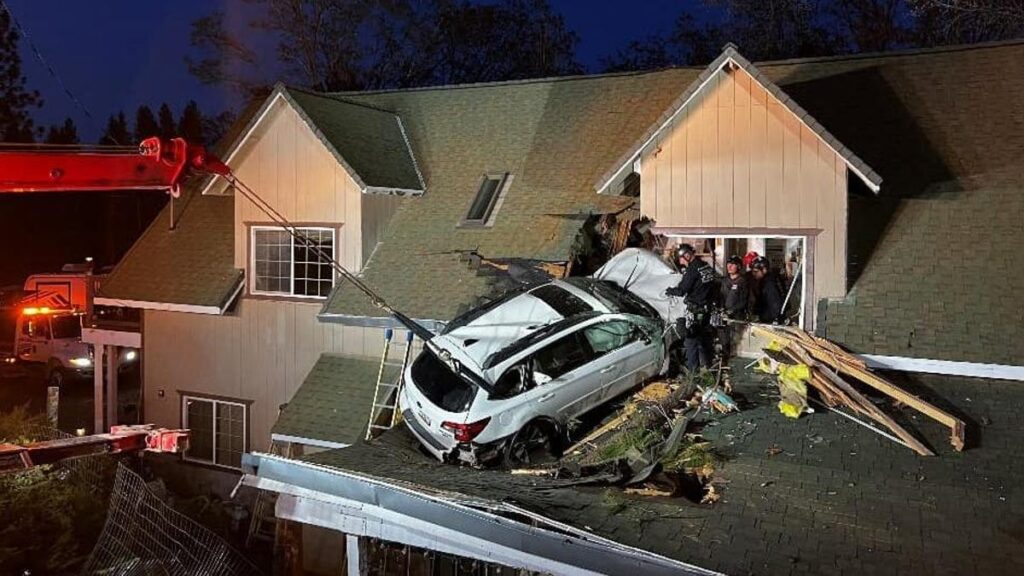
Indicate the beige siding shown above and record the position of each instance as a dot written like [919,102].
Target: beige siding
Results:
[262,350]
[260,354]
[736,158]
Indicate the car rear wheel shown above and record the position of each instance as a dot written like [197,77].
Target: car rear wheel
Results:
[535,443]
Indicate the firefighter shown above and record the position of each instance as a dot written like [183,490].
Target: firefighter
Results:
[698,287]
[735,289]
[770,292]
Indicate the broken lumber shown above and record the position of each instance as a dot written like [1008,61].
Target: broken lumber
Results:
[843,362]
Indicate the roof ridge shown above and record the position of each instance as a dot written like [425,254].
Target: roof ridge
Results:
[336,97]
[893,53]
[520,81]
[575,77]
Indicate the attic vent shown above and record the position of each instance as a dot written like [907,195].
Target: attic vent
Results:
[486,199]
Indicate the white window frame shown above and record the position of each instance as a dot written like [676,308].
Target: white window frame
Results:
[185,398]
[291,287]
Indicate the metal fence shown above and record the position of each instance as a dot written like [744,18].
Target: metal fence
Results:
[145,536]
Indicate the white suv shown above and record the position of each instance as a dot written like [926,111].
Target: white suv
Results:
[506,378]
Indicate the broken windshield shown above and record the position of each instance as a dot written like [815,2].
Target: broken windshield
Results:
[616,298]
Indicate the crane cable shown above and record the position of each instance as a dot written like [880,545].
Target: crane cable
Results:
[278,219]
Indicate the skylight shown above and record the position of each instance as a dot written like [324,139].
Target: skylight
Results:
[486,199]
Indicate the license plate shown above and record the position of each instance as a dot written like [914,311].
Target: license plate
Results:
[424,418]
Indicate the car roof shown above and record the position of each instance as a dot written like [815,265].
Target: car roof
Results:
[513,319]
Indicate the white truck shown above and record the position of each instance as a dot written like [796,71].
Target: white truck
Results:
[49,325]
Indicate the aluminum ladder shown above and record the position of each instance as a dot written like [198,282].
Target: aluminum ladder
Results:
[384,410]
[264,520]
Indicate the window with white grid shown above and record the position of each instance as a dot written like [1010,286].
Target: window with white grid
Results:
[288,266]
[217,430]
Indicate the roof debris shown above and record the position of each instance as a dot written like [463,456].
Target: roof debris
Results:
[799,359]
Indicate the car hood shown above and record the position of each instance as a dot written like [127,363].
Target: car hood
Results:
[646,275]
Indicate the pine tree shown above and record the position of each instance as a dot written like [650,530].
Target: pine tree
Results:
[16,100]
[117,133]
[145,123]
[66,133]
[190,126]
[167,126]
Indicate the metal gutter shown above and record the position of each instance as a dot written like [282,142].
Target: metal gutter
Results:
[357,504]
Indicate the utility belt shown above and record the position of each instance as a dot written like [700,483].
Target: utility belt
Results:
[697,317]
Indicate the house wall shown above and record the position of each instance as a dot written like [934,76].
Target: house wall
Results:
[737,161]
[262,349]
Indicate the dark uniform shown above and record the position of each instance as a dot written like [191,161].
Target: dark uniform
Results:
[699,285]
[770,298]
[736,296]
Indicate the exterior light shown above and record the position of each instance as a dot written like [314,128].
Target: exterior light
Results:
[81,362]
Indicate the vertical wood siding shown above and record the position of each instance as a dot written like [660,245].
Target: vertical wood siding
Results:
[262,351]
[735,157]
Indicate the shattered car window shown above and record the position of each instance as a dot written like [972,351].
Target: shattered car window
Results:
[562,356]
[608,336]
[440,385]
[562,301]
[514,381]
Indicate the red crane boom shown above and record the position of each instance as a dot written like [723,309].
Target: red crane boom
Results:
[156,165]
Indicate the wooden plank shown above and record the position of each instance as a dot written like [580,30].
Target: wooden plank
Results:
[810,183]
[726,89]
[758,165]
[742,79]
[774,165]
[726,197]
[710,173]
[837,362]
[648,187]
[828,281]
[741,162]
[679,158]
[840,222]
[692,205]
[663,161]
[790,215]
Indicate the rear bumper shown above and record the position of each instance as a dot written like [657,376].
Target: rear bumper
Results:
[471,453]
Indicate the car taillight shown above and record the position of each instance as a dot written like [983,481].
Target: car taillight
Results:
[466,432]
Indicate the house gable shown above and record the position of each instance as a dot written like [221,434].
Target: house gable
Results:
[730,59]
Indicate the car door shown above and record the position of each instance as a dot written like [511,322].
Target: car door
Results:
[568,377]
[626,354]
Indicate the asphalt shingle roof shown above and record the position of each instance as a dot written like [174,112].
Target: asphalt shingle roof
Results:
[368,141]
[555,137]
[192,264]
[333,402]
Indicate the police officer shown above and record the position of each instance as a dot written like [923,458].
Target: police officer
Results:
[769,292]
[698,286]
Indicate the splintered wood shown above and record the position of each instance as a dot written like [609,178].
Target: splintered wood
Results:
[828,363]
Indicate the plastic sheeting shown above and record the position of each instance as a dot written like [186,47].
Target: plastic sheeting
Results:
[645,274]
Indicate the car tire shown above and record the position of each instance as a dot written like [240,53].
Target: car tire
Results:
[56,377]
[535,443]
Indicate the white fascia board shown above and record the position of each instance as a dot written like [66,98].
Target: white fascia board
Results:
[359,519]
[245,138]
[123,338]
[163,306]
[945,367]
[307,441]
[387,522]
[387,191]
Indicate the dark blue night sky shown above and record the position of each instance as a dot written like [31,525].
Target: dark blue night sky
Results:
[118,54]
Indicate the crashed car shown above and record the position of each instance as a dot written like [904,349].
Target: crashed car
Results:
[503,380]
